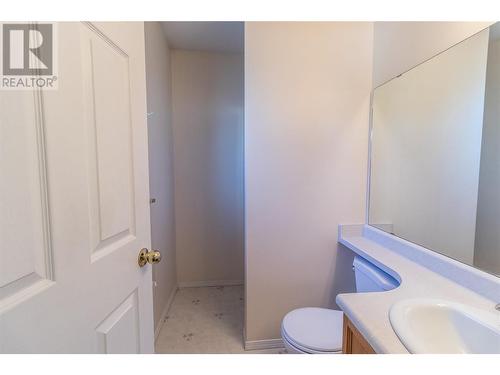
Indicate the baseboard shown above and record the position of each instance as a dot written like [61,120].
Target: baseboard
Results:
[165,311]
[264,344]
[199,284]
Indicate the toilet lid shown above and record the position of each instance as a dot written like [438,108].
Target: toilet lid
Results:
[315,328]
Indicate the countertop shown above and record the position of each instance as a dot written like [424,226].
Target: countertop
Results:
[369,312]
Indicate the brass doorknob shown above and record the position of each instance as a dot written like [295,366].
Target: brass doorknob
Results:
[146,256]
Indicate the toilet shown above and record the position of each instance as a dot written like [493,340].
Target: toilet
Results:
[314,330]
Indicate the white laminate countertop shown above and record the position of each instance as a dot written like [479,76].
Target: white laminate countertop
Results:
[421,272]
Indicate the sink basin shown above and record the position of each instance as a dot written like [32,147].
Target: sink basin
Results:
[439,326]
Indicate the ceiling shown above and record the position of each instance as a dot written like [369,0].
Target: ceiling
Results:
[205,36]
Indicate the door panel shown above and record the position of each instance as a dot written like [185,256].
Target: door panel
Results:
[112,210]
[119,332]
[74,175]
[24,224]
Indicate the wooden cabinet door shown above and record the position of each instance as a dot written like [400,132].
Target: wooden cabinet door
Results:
[353,341]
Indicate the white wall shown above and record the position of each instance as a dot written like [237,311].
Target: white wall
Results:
[399,46]
[307,91]
[207,91]
[487,246]
[426,146]
[160,164]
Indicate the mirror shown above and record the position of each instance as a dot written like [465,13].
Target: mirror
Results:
[435,153]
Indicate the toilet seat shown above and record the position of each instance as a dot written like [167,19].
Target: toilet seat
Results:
[313,329]
[296,348]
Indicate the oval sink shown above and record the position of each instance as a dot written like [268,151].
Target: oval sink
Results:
[438,326]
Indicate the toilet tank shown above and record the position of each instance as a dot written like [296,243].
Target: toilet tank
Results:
[370,278]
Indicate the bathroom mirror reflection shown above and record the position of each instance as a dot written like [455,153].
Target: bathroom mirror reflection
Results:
[435,153]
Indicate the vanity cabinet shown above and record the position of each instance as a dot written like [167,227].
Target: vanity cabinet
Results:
[353,341]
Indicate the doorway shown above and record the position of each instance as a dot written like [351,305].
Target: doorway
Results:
[195,80]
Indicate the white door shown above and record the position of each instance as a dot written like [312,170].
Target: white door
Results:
[74,201]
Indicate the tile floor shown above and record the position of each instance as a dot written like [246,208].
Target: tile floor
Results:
[206,320]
